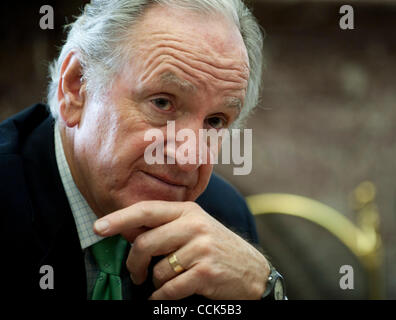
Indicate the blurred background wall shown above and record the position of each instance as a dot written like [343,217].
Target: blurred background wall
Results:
[325,124]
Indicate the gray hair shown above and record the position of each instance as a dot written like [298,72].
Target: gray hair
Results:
[101,30]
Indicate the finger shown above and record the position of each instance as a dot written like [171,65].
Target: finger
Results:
[149,214]
[131,235]
[156,242]
[182,286]
[187,256]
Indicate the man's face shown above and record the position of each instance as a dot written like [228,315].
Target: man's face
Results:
[185,67]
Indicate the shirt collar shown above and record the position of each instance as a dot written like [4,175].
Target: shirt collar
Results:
[83,215]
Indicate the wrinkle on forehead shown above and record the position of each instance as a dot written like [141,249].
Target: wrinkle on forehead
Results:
[201,49]
[196,61]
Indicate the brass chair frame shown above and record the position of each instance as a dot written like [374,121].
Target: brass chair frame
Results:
[364,242]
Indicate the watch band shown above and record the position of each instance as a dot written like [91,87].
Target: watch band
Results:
[275,287]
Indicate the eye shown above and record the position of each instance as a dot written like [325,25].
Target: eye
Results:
[217,122]
[162,104]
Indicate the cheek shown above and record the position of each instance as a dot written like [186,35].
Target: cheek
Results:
[113,147]
[124,151]
[122,137]
[205,172]
[116,165]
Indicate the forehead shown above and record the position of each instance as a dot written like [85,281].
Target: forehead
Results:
[214,37]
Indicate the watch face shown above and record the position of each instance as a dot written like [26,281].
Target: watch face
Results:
[278,290]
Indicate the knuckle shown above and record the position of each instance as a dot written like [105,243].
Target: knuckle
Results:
[210,269]
[204,246]
[158,273]
[169,290]
[199,226]
[119,219]
[204,271]
[208,291]
[144,207]
[140,244]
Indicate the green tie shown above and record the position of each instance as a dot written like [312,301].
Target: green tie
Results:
[109,254]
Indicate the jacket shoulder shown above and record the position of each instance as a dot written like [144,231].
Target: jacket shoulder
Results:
[15,204]
[15,130]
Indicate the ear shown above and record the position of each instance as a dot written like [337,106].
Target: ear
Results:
[71,90]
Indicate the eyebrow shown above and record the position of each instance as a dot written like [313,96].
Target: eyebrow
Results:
[169,78]
[232,102]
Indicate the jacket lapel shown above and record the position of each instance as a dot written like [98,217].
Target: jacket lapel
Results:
[54,231]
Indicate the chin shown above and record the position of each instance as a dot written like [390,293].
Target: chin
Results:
[128,199]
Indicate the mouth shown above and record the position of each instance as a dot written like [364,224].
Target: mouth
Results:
[168,181]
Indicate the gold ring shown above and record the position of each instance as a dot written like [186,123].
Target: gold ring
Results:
[175,264]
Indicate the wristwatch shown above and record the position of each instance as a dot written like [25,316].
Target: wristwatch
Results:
[275,288]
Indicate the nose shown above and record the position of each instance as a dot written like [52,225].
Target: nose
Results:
[186,146]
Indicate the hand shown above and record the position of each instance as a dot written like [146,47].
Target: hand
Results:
[218,263]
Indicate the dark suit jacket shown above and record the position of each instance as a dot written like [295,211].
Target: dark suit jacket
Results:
[36,224]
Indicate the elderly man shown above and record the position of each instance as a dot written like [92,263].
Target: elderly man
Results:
[77,195]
